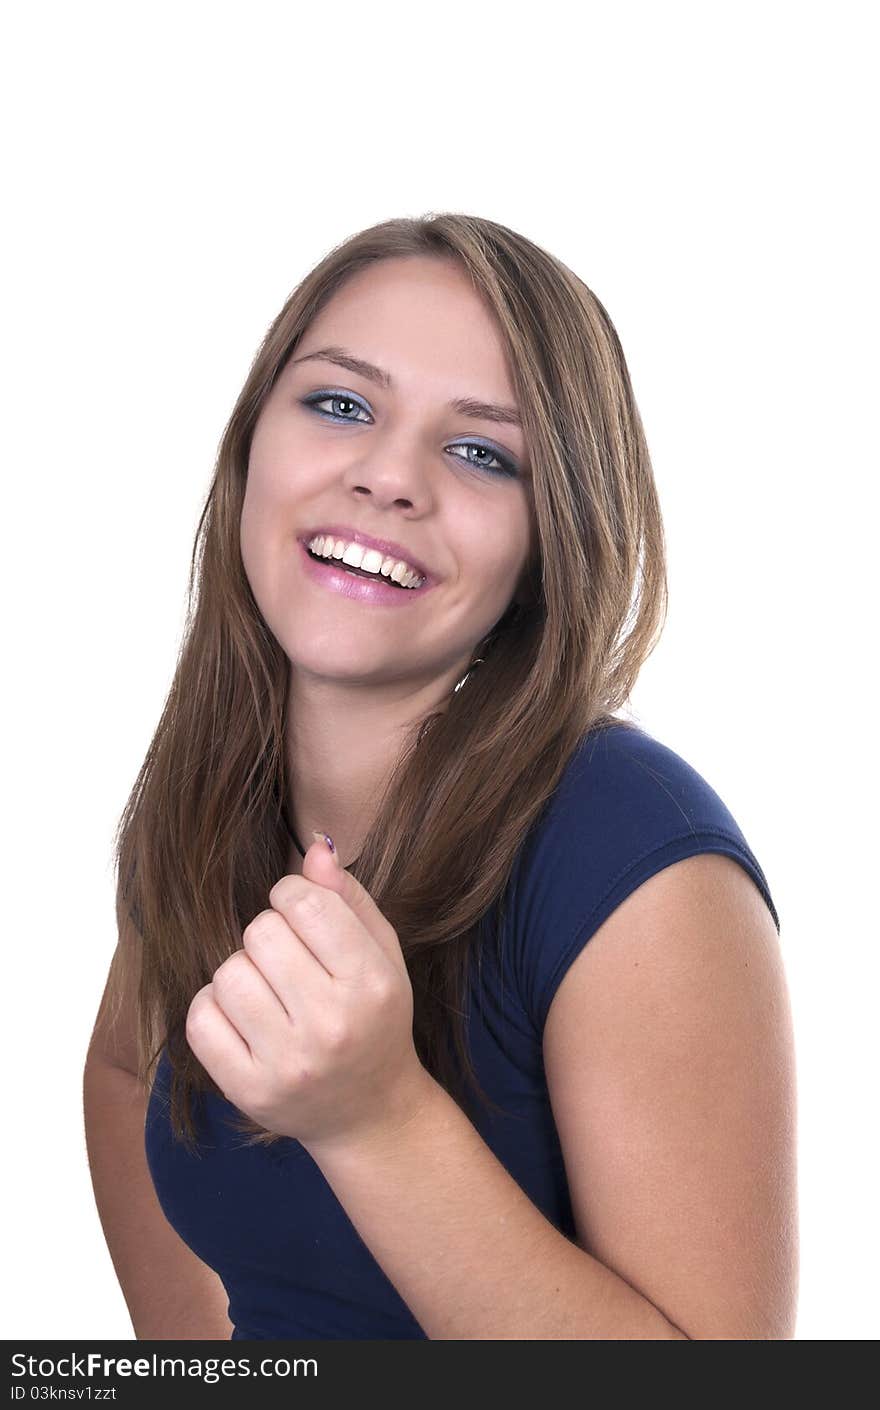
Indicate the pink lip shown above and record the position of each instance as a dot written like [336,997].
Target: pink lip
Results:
[332,575]
[390,550]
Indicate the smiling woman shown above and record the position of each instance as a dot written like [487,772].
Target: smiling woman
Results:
[383,465]
[483,1067]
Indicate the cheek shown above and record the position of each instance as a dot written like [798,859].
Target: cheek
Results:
[270,497]
[495,556]
[264,523]
[502,571]
[251,527]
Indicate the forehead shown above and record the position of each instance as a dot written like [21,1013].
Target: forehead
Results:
[418,319]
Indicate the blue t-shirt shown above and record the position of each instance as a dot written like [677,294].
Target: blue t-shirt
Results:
[267,1221]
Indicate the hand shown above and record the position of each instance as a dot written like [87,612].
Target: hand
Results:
[309,1028]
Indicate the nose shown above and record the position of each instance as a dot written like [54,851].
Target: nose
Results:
[391,472]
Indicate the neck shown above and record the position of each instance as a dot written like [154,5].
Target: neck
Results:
[342,743]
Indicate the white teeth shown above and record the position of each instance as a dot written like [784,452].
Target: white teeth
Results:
[369,559]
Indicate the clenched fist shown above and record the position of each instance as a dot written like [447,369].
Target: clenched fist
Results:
[308,1029]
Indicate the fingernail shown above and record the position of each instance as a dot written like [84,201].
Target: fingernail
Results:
[325,837]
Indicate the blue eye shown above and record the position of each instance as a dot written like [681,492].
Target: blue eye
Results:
[315,400]
[506,467]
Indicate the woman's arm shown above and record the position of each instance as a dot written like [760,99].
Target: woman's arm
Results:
[171,1294]
[669,1059]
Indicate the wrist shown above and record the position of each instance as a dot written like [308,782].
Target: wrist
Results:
[403,1112]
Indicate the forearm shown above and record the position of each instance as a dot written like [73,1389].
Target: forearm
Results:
[170,1293]
[470,1254]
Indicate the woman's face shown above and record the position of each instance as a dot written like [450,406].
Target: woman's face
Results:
[333,448]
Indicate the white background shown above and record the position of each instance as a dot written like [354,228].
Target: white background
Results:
[171,172]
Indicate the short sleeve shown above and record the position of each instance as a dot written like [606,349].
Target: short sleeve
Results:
[627,807]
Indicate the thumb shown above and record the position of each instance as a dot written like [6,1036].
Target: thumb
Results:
[321,864]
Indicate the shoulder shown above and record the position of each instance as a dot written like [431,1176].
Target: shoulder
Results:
[623,768]
[626,808]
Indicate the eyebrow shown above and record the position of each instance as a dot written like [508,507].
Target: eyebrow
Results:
[466,406]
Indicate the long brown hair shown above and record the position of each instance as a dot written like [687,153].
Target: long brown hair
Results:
[201,840]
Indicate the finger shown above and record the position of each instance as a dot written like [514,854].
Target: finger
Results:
[251,1006]
[322,866]
[326,924]
[295,975]
[220,1049]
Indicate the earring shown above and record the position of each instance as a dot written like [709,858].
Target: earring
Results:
[474,663]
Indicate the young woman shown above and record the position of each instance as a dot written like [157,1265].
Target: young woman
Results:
[386,1089]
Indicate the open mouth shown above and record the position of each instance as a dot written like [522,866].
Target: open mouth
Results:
[356,572]
[357,584]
